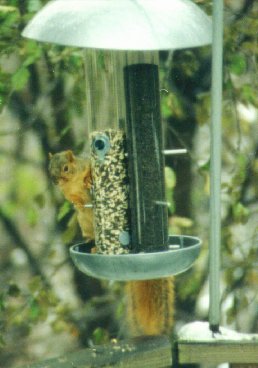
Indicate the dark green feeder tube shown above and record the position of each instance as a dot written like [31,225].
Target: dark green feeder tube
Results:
[148,204]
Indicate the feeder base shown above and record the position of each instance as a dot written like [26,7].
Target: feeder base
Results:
[183,250]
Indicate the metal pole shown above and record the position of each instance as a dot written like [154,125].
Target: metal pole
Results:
[215,165]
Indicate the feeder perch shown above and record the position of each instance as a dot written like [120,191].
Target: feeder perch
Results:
[124,123]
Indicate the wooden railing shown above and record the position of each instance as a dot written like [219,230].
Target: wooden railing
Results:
[240,351]
[144,352]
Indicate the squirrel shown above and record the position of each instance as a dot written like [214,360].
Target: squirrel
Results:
[73,176]
[149,303]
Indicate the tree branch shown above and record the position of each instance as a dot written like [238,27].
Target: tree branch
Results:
[16,236]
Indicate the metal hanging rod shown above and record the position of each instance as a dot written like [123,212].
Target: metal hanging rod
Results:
[180,151]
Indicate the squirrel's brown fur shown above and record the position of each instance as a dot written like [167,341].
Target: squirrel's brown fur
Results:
[150,306]
[73,176]
[150,303]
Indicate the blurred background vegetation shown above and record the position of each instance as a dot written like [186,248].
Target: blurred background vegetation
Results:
[47,307]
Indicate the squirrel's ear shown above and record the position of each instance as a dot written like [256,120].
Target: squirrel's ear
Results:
[50,155]
[69,155]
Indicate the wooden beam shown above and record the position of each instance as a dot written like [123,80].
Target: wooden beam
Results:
[196,344]
[218,352]
[244,365]
[145,352]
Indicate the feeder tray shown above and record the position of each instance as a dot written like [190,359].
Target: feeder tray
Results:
[182,252]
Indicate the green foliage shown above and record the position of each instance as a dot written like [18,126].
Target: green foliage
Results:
[100,336]
[202,108]
[172,105]
[40,200]
[9,20]
[170,183]
[240,213]
[20,79]
[34,6]
[237,64]
[64,210]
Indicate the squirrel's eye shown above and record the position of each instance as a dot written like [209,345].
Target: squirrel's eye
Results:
[65,168]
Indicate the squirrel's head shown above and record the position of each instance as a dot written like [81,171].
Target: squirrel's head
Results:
[61,166]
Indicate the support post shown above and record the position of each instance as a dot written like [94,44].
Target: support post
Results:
[215,165]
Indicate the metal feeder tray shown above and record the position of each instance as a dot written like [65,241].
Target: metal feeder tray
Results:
[182,252]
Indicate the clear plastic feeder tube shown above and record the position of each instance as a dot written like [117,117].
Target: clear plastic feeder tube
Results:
[105,120]
[123,117]
[105,103]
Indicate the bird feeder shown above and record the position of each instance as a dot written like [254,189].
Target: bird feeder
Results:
[124,123]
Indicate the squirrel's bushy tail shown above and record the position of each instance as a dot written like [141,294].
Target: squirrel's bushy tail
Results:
[150,306]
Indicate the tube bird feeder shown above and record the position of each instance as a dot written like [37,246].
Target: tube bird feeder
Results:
[124,124]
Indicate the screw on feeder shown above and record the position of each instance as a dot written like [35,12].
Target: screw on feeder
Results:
[88,205]
[162,203]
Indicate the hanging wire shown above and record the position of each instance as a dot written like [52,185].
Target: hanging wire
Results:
[215,165]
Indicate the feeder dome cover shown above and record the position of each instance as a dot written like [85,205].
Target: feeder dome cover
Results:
[122,24]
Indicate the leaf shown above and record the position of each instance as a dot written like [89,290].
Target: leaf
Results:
[205,167]
[170,177]
[35,284]
[75,60]
[249,94]
[34,6]
[13,290]
[231,315]
[72,228]
[8,16]
[240,213]
[5,9]
[40,200]
[238,64]
[32,216]
[170,183]
[2,342]
[165,108]
[65,130]
[184,222]
[100,336]
[240,175]
[20,78]
[63,210]
[203,108]
[9,209]
[33,52]
[2,302]
[34,311]
[59,325]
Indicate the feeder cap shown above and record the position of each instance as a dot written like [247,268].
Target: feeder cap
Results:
[122,24]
